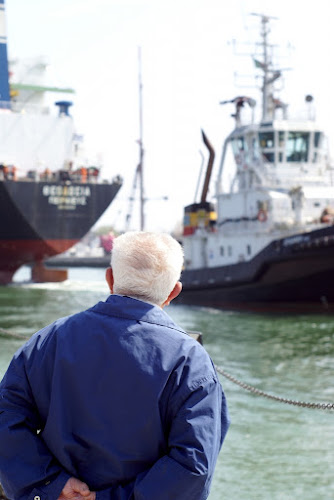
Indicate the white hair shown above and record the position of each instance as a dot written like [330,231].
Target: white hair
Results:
[146,265]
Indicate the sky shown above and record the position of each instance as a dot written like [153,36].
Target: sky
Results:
[194,54]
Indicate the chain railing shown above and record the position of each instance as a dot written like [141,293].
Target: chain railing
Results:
[25,107]
[7,333]
[258,392]
[247,387]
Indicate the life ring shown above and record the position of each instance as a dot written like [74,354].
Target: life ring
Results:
[262,216]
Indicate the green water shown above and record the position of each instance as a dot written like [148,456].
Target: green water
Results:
[272,450]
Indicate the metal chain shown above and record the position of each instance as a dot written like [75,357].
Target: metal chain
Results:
[7,333]
[247,387]
[258,392]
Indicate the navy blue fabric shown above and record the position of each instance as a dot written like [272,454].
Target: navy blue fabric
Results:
[123,398]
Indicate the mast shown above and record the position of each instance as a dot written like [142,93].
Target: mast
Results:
[4,76]
[141,149]
[269,75]
[138,177]
[265,89]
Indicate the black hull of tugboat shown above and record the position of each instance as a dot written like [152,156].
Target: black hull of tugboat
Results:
[292,274]
[42,219]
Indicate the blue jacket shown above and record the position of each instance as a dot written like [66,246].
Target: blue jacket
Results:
[117,396]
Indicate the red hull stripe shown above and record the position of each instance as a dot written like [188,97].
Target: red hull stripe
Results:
[15,253]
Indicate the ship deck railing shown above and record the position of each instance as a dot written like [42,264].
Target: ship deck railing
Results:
[56,176]
[24,107]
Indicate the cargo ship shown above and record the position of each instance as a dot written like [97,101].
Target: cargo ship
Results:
[49,196]
[265,243]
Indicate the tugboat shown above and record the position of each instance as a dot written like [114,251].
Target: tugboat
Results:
[266,244]
[49,199]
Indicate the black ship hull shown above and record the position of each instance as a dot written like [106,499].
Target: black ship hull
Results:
[291,274]
[42,219]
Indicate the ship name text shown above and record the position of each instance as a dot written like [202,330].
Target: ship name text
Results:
[66,197]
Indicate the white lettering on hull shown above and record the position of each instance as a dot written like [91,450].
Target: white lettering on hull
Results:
[66,197]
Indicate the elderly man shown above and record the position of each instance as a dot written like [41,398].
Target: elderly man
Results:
[116,402]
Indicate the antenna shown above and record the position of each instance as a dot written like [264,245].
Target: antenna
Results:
[141,149]
[138,177]
[269,103]
[264,18]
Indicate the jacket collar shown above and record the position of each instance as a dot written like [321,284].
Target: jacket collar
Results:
[129,308]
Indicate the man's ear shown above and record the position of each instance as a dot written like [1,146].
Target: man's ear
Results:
[110,279]
[173,294]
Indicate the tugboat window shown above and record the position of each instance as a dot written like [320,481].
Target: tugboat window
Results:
[269,157]
[297,146]
[317,139]
[240,150]
[241,143]
[266,139]
[255,147]
[281,138]
[238,144]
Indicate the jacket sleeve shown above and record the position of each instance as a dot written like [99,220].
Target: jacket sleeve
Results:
[36,474]
[195,438]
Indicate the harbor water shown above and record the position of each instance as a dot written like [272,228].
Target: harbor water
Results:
[273,450]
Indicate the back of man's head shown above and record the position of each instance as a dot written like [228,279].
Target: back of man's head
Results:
[146,265]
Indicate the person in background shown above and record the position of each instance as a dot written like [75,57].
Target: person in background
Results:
[115,402]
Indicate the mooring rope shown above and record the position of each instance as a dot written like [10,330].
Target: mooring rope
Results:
[258,392]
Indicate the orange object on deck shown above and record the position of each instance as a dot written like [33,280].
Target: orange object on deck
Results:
[83,172]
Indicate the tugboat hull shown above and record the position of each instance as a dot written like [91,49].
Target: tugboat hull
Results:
[283,277]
